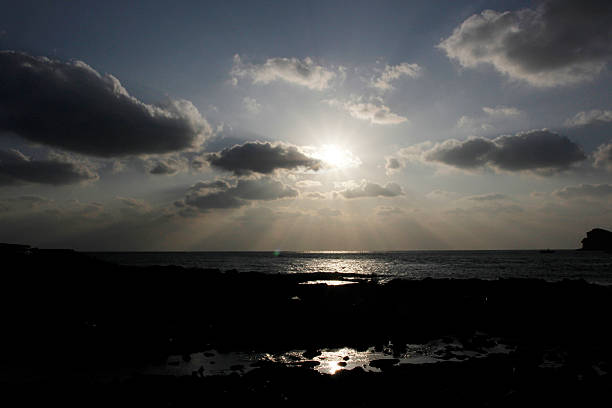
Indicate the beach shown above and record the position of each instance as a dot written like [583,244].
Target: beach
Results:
[87,332]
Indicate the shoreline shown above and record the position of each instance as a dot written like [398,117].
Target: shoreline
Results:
[67,317]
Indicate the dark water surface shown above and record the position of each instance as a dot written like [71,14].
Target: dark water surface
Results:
[595,267]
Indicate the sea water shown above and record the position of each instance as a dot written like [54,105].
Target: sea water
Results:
[594,267]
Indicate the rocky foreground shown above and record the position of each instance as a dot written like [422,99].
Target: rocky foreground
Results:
[75,330]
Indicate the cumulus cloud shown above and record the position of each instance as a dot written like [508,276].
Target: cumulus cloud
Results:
[263,158]
[597,191]
[375,113]
[369,189]
[560,42]
[167,165]
[16,168]
[393,72]
[133,205]
[603,156]
[71,106]
[589,118]
[293,70]
[207,195]
[393,165]
[541,151]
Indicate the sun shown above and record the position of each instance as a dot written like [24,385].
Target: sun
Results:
[336,157]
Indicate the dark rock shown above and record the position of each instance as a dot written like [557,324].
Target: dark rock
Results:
[597,240]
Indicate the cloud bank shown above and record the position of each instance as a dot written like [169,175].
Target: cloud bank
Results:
[542,151]
[263,158]
[561,42]
[71,106]
[221,194]
[16,168]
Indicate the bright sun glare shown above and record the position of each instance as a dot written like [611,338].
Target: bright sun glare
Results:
[336,157]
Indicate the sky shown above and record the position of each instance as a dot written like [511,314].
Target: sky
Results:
[305,125]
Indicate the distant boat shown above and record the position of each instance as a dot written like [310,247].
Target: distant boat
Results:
[546,251]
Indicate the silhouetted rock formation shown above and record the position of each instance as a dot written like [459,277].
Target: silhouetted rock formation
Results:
[597,239]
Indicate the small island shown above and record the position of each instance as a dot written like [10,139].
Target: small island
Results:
[597,239]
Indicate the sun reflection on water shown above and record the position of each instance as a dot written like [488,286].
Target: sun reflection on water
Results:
[332,361]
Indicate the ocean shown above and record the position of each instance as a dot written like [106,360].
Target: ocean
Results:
[594,267]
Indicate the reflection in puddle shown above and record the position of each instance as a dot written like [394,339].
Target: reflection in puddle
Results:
[329,282]
[331,361]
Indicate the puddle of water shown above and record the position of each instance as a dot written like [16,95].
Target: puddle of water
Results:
[328,282]
[329,361]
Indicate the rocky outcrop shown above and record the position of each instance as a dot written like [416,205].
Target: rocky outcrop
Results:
[597,239]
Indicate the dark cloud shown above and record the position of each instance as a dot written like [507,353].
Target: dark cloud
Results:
[537,150]
[369,189]
[599,191]
[264,158]
[71,106]
[162,168]
[392,163]
[263,189]
[221,194]
[134,205]
[467,154]
[16,168]
[560,42]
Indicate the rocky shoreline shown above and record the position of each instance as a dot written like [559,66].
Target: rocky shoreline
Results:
[83,331]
